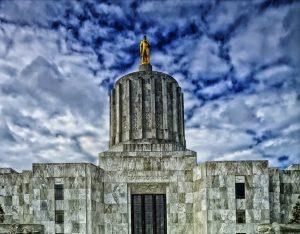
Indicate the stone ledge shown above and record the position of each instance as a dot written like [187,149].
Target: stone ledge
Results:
[21,228]
[293,167]
[147,147]
[135,75]
[145,67]
[147,154]
[7,170]
[278,228]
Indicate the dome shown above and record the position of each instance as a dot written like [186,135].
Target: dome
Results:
[146,112]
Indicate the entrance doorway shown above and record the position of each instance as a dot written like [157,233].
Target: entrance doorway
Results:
[148,214]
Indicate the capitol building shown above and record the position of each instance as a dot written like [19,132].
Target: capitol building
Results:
[148,182]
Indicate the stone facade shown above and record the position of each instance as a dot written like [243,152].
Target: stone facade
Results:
[200,198]
[167,172]
[22,228]
[28,197]
[215,199]
[147,155]
[284,192]
[277,228]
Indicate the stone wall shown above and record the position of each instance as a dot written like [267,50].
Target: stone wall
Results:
[200,199]
[96,198]
[15,197]
[274,194]
[28,197]
[21,228]
[284,193]
[278,228]
[129,173]
[215,190]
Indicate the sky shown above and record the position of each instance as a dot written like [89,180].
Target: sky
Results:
[238,63]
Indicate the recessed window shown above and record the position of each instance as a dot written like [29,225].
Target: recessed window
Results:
[59,191]
[240,216]
[240,190]
[44,205]
[59,216]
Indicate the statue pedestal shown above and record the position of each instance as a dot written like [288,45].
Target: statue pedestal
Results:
[145,67]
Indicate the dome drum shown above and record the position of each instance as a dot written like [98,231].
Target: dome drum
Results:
[146,113]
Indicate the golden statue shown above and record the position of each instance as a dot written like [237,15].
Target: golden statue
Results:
[145,50]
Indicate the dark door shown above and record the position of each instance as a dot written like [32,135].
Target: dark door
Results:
[148,214]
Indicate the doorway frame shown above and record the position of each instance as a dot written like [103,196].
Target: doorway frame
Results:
[154,210]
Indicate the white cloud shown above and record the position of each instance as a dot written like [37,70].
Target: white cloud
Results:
[276,75]
[226,13]
[213,143]
[205,57]
[216,89]
[173,12]
[258,43]
[29,12]
[63,121]
[290,43]
[231,128]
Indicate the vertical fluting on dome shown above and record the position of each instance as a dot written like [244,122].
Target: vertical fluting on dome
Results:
[146,113]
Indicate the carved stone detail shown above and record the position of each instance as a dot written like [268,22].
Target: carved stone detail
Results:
[145,188]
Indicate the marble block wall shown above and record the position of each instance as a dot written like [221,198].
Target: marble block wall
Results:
[21,228]
[96,199]
[214,195]
[16,196]
[28,197]
[274,194]
[284,192]
[199,198]
[129,173]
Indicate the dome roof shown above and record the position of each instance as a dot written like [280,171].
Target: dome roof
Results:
[146,113]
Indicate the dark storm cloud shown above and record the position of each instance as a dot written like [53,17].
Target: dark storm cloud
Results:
[237,62]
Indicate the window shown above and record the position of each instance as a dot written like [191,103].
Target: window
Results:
[148,214]
[240,216]
[59,216]
[59,191]
[1,214]
[240,190]
[44,205]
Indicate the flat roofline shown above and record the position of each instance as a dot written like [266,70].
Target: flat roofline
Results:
[8,170]
[76,163]
[237,161]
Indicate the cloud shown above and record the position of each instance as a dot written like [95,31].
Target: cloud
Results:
[31,13]
[206,56]
[225,16]
[290,42]
[237,63]
[261,125]
[252,46]
[63,120]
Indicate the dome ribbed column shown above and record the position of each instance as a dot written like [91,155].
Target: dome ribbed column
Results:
[146,113]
